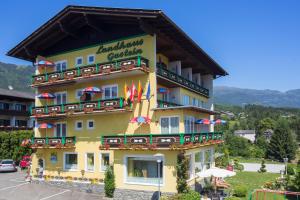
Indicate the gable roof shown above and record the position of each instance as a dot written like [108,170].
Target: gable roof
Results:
[16,94]
[149,21]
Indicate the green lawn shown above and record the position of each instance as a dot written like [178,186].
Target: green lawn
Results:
[252,180]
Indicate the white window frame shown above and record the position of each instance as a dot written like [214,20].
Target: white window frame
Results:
[110,86]
[76,127]
[63,122]
[100,159]
[59,93]
[88,60]
[64,161]
[192,124]
[169,123]
[87,124]
[76,59]
[183,100]
[143,156]
[60,62]
[85,161]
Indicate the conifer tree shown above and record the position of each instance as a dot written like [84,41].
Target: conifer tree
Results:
[182,175]
[263,167]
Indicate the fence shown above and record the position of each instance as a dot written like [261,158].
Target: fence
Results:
[273,195]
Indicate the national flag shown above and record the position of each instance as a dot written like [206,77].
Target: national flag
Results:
[125,91]
[148,92]
[140,92]
[132,92]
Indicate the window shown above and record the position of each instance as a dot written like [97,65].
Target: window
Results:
[20,123]
[165,97]
[4,122]
[78,125]
[90,124]
[189,124]
[61,65]
[169,124]
[79,61]
[208,158]
[199,161]
[190,166]
[104,161]
[70,161]
[61,130]
[4,106]
[60,98]
[89,162]
[20,107]
[91,59]
[185,100]
[143,169]
[78,93]
[195,102]
[110,91]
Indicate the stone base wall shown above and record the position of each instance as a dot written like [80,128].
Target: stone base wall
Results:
[120,194]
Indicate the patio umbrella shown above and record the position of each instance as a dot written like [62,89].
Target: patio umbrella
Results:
[203,121]
[140,119]
[92,90]
[45,126]
[216,172]
[45,64]
[219,121]
[46,96]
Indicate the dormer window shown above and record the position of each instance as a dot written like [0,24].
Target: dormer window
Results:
[79,61]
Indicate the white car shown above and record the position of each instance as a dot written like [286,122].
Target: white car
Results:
[8,165]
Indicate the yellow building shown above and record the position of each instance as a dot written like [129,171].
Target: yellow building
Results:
[113,49]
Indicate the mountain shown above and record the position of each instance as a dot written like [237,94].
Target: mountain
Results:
[239,96]
[19,77]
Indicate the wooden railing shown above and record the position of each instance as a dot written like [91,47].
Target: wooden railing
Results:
[166,104]
[54,142]
[78,107]
[179,140]
[165,73]
[98,69]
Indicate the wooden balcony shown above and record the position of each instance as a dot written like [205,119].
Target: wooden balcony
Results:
[88,107]
[53,142]
[130,65]
[176,79]
[161,141]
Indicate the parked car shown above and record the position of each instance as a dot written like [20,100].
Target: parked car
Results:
[25,162]
[8,165]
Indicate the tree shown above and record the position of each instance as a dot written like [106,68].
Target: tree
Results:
[263,167]
[282,143]
[109,182]
[264,124]
[182,175]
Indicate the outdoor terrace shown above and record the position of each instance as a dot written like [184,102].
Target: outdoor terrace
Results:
[178,80]
[130,66]
[160,141]
[99,106]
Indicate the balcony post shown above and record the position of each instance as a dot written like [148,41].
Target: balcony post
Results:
[151,139]
[139,60]
[97,68]
[78,71]
[47,140]
[192,139]
[206,137]
[62,108]
[63,140]
[125,138]
[74,139]
[181,138]
[99,104]
[213,135]
[121,102]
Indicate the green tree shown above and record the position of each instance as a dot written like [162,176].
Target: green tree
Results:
[109,182]
[264,124]
[282,143]
[182,173]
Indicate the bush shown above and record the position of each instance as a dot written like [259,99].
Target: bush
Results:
[238,166]
[240,191]
[191,195]
[290,169]
[109,182]
[263,167]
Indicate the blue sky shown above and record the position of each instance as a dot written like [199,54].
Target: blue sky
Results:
[257,42]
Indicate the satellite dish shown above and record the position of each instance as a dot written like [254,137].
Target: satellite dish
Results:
[10,87]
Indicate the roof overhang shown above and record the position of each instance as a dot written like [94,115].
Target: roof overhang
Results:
[71,19]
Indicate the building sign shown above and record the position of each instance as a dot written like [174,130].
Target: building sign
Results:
[121,49]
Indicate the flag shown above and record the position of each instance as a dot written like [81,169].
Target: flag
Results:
[140,92]
[148,92]
[132,92]
[125,91]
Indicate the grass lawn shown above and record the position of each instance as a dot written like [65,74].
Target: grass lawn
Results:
[252,180]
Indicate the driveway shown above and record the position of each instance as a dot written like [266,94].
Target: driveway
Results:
[13,187]
[272,168]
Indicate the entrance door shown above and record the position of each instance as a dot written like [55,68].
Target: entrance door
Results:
[41,164]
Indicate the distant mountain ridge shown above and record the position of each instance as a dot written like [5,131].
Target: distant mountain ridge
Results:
[240,96]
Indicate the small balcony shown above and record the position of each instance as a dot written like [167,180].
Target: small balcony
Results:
[166,104]
[14,112]
[133,66]
[181,81]
[53,142]
[160,141]
[78,108]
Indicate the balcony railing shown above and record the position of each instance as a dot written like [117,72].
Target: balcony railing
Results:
[160,141]
[165,73]
[53,142]
[90,71]
[79,107]
[166,104]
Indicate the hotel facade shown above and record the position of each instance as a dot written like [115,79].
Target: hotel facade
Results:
[117,50]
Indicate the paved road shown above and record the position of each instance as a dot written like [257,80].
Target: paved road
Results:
[254,167]
[13,187]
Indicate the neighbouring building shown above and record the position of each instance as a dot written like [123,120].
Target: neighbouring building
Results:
[15,110]
[113,50]
[248,134]
[268,134]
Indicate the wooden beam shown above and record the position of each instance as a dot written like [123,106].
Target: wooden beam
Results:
[67,31]
[147,28]
[92,24]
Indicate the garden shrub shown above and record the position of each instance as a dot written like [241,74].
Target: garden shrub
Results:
[109,182]
[290,169]
[263,167]
[191,195]
[240,191]
[182,175]
[238,166]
